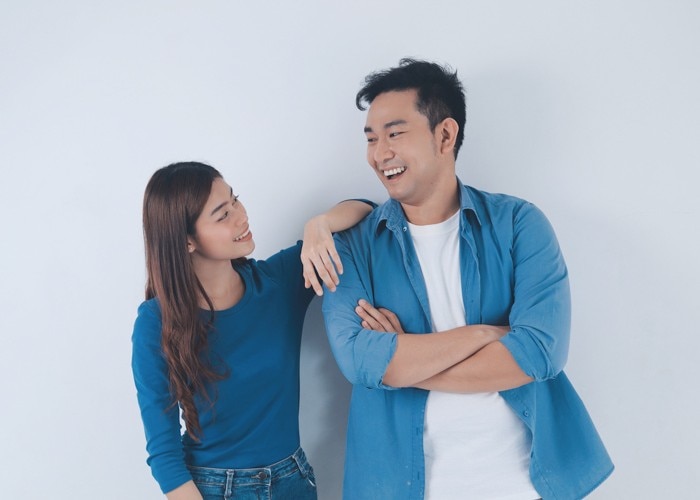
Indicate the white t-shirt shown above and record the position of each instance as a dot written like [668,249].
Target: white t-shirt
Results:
[475,446]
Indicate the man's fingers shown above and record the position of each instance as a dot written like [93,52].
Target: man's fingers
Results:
[374,325]
[367,320]
[393,319]
[374,316]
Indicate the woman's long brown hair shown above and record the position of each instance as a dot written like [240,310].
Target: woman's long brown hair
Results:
[174,198]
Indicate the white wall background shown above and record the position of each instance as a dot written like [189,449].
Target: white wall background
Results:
[589,109]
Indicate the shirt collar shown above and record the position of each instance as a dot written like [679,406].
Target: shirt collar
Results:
[390,214]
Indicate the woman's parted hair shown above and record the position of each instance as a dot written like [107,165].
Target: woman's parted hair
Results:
[175,197]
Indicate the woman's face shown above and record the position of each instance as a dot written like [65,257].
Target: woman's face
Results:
[221,231]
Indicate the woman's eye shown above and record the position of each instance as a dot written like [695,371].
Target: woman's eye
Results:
[224,215]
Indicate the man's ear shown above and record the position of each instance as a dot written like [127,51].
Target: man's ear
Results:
[448,130]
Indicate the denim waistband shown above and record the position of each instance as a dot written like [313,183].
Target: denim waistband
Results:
[261,475]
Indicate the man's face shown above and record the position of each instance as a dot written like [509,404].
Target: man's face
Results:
[401,148]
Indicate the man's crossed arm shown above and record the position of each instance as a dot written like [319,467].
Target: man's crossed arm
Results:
[464,359]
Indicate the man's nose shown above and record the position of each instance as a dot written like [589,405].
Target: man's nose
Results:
[382,152]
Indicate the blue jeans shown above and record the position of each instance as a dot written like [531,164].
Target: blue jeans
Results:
[291,478]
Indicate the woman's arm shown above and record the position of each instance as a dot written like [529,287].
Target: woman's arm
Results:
[187,491]
[161,422]
[318,254]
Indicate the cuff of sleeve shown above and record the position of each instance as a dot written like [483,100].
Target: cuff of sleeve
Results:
[521,354]
[374,351]
[171,482]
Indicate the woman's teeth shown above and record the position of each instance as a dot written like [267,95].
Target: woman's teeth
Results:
[243,235]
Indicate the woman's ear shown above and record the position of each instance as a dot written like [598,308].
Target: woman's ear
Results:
[190,245]
[448,135]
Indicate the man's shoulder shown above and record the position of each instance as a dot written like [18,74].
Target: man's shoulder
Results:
[487,200]
[368,233]
[369,224]
[496,208]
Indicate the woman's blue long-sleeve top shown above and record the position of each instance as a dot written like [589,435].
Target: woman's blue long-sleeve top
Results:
[255,418]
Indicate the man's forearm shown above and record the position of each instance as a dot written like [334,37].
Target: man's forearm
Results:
[421,356]
[490,369]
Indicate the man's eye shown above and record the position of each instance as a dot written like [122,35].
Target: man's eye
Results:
[370,140]
[395,134]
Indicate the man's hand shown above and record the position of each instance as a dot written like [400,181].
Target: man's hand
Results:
[380,320]
[318,255]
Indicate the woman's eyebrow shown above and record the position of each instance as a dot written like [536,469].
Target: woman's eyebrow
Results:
[219,207]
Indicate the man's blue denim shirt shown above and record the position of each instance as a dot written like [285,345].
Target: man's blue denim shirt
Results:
[512,273]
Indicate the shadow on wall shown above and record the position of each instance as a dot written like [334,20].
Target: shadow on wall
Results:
[325,399]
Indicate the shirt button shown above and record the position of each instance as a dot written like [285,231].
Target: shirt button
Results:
[405,229]
[526,413]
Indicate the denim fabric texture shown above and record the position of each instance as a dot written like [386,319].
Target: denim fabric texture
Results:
[289,479]
[512,273]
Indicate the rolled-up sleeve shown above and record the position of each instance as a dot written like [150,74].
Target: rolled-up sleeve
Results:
[540,318]
[362,355]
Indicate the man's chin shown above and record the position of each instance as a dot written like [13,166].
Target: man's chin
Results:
[395,192]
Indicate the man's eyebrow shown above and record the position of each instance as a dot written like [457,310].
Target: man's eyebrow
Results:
[394,123]
[222,205]
[387,125]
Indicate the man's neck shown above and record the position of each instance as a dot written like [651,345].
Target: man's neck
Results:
[438,208]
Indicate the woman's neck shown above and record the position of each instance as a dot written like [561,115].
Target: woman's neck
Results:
[221,282]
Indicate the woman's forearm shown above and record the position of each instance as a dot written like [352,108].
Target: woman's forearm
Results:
[187,491]
[345,214]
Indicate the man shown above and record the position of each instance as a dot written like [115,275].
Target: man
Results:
[470,402]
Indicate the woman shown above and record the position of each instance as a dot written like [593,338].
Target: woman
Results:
[218,338]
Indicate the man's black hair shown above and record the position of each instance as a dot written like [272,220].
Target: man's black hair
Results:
[440,93]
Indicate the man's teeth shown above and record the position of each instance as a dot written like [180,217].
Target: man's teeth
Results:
[243,235]
[394,171]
